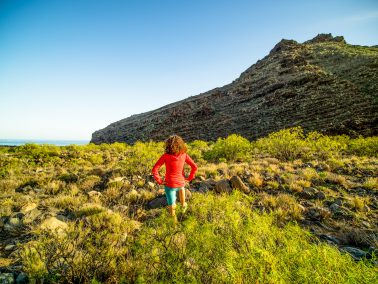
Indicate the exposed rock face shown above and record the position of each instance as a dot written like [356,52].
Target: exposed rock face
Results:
[323,84]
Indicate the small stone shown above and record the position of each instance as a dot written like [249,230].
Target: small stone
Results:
[28,207]
[94,193]
[116,179]
[61,217]
[37,190]
[150,185]
[237,183]
[9,247]
[14,221]
[6,278]
[223,186]
[320,195]
[22,278]
[334,208]
[317,213]
[31,216]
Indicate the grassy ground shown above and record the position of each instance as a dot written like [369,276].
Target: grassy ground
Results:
[97,198]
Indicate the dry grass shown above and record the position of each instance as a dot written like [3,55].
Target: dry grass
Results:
[256,180]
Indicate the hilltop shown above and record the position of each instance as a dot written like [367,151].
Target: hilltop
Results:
[323,84]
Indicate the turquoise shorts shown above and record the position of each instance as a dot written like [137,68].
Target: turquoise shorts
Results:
[170,193]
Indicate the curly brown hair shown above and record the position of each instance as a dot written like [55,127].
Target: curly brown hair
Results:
[175,145]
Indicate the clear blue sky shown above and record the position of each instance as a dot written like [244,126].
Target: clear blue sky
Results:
[68,68]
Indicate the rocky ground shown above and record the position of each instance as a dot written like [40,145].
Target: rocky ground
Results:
[337,201]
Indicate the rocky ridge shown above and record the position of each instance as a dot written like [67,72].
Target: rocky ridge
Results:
[323,84]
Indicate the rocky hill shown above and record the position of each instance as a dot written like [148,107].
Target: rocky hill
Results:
[323,84]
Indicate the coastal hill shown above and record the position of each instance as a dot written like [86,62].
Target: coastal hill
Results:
[323,84]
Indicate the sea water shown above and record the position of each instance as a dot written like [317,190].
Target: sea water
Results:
[19,142]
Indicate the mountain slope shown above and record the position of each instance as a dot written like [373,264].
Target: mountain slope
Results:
[323,84]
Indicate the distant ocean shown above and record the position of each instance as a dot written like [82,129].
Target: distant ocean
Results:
[19,142]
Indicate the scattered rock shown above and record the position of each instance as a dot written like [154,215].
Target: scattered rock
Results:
[237,183]
[13,225]
[9,247]
[94,194]
[22,278]
[62,218]
[150,185]
[317,213]
[320,195]
[25,189]
[330,239]
[334,207]
[188,194]
[223,186]
[28,207]
[356,253]
[121,208]
[6,278]
[116,179]
[158,202]
[52,223]
[308,193]
[206,185]
[341,212]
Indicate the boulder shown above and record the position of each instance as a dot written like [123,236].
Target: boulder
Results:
[53,224]
[157,202]
[237,183]
[223,186]
[31,216]
[206,185]
[356,253]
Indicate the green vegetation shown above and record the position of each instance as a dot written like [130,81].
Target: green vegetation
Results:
[104,232]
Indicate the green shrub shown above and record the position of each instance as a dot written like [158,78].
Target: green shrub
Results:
[363,146]
[232,148]
[224,241]
[96,247]
[197,148]
[140,158]
[287,144]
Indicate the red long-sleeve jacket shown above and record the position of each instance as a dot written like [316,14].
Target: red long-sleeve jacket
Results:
[174,174]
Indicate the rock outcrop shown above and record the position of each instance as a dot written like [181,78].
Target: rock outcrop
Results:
[323,84]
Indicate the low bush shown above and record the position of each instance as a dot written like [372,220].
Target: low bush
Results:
[232,148]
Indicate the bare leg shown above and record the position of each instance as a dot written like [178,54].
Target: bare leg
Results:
[182,196]
[172,209]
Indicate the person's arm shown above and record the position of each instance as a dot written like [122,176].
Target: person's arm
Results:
[155,170]
[193,166]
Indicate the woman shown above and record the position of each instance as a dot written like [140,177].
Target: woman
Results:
[174,158]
